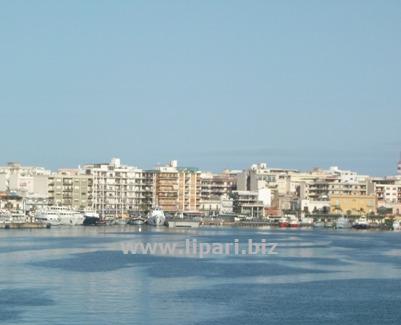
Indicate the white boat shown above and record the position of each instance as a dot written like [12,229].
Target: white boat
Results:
[318,224]
[343,223]
[397,225]
[54,216]
[361,223]
[136,221]
[91,218]
[307,222]
[293,221]
[156,217]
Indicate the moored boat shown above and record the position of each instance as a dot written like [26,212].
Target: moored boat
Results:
[361,223]
[306,222]
[343,223]
[91,218]
[318,224]
[56,216]
[156,217]
[136,221]
[293,221]
[397,224]
[283,222]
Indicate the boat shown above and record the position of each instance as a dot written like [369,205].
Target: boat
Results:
[293,221]
[397,224]
[55,216]
[318,224]
[156,217]
[306,222]
[120,222]
[343,223]
[361,223]
[91,218]
[136,221]
[283,222]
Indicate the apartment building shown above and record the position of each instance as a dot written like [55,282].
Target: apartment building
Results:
[28,182]
[71,188]
[213,186]
[117,189]
[24,180]
[177,189]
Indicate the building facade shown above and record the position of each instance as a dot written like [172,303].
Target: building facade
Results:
[177,189]
[118,190]
[71,188]
[353,204]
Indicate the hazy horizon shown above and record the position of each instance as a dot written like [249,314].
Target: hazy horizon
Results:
[213,84]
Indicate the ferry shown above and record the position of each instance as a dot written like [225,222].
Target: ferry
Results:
[55,216]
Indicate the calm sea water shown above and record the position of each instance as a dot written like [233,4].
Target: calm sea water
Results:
[80,276]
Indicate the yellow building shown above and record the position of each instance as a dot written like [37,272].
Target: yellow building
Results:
[353,204]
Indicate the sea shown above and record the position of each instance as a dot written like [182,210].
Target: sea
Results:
[83,275]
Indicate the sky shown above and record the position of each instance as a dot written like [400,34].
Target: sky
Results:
[214,84]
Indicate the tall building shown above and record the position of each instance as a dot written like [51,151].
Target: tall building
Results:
[272,184]
[215,190]
[177,189]
[119,190]
[71,188]
[213,186]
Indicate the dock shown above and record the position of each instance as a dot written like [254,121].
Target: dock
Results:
[24,225]
[183,224]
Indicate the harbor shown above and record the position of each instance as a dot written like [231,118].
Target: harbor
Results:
[113,193]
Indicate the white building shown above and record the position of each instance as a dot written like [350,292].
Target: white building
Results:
[119,189]
[29,182]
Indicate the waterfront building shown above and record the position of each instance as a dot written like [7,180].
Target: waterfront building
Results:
[11,202]
[247,203]
[117,189]
[321,189]
[260,176]
[387,190]
[353,204]
[177,189]
[214,207]
[28,182]
[215,190]
[71,188]
[24,180]
[310,206]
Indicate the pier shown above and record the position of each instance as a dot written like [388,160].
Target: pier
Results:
[24,225]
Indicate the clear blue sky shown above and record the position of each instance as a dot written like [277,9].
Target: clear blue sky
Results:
[214,84]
